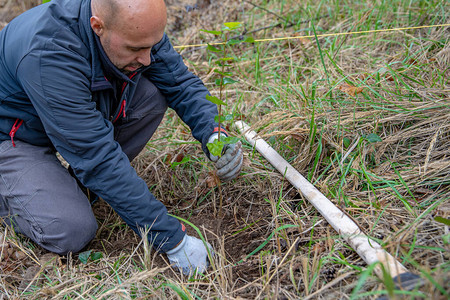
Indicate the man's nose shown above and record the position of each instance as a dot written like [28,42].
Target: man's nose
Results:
[144,57]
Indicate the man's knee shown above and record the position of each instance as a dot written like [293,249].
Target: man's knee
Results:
[69,235]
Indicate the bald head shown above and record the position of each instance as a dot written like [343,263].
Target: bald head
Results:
[121,12]
[128,29]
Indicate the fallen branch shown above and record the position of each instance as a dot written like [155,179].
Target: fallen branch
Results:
[369,250]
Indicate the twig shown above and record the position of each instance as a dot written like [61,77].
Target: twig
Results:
[270,12]
[350,150]
[241,36]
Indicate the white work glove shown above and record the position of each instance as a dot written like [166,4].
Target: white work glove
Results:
[190,255]
[229,165]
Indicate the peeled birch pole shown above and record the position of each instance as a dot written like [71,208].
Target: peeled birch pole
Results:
[369,250]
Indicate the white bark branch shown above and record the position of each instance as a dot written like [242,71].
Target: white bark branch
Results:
[369,250]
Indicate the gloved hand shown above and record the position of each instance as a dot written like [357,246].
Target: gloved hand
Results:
[229,165]
[190,255]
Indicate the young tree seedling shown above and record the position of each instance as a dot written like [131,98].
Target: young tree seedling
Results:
[223,64]
[222,67]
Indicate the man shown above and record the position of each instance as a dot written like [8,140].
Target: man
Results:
[91,79]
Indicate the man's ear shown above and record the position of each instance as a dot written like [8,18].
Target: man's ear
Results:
[97,25]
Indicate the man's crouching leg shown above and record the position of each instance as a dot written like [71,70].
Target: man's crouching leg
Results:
[43,200]
[143,116]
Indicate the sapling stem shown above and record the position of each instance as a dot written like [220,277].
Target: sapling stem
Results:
[217,146]
[224,54]
[220,199]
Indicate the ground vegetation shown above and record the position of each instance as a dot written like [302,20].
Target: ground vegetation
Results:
[365,117]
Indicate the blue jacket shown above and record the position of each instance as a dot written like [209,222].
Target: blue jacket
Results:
[53,92]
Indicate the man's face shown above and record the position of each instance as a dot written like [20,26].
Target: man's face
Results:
[128,51]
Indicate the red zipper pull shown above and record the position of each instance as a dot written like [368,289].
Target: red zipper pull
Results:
[14,129]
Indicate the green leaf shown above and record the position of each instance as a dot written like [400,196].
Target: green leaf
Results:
[232,25]
[347,142]
[213,49]
[96,256]
[224,81]
[228,80]
[215,100]
[223,73]
[215,32]
[249,39]
[84,256]
[230,140]
[216,147]
[442,220]
[221,63]
[223,118]
[226,58]
[234,42]
[45,1]
[183,161]
[373,138]
[446,239]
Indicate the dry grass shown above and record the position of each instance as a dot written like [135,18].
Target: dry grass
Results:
[393,183]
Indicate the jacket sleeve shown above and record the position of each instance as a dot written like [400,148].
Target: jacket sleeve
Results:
[57,82]
[185,92]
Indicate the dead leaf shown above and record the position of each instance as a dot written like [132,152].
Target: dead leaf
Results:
[318,248]
[305,41]
[212,180]
[179,157]
[48,292]
[413,61]
[350,89]
[298,137]
[19,255]
[168,159]
[50,260]
[32,274]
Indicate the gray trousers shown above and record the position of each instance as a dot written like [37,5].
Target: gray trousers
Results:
[39,197]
